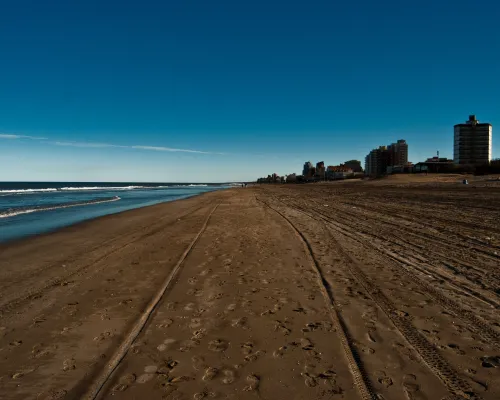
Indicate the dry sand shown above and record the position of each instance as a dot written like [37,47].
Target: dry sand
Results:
[345,291]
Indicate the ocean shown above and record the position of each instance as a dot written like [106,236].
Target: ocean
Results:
[30,208]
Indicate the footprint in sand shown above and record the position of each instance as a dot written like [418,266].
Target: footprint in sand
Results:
[246,303]
[229,376]
[231,307]
[384,379]
[310,381]
[124,382]
[280,327]
[205,272]
[199,334]
[306,344]
[145,378]
[69,364]
[253,383]
[195,323]
[411,388]
[188,345]
[39,350]
[247,348]
[456,349]
[165,324]
[312,326]
[255,356]
[192,281]
[218,345]
[365,349]
[166,344]
[20,374]
[401,313]
[217,296]
[280,352]
[240,323]
[150,369]
[490,361]
[198,363]
[103,336]
[210,373]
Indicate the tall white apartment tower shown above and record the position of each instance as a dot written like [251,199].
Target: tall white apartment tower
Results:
[472,142]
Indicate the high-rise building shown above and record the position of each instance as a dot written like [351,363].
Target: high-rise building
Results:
[320,170]
[397,153]
[376,161]
[308,167]
[472,142]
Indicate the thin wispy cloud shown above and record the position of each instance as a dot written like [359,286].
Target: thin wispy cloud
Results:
[157,148]
[84,144]
[10,136]
[106,145]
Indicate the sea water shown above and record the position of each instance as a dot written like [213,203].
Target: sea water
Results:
[29,208]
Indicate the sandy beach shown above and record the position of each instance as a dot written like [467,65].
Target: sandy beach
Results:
[381,290]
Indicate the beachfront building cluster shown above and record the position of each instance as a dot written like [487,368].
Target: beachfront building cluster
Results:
[319,172]
[472,148]
[386,159]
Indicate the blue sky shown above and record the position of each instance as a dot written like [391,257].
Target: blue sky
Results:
[117,88]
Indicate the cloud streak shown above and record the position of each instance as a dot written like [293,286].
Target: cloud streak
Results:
[9,136]
[107,145]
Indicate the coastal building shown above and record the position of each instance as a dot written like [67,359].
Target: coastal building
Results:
[472,142]
[355,165]
[393,158]
[320,170]
[307,170]
[292,178]
[435,164]
[338,172]
[397,153]
[376,162]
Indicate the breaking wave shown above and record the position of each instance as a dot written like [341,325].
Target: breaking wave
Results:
[105,188]
[27,191]
[8,192]
[11,212]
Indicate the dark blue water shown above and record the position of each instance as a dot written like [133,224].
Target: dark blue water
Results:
[29,208]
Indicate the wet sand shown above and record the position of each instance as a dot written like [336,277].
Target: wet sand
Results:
[344,290]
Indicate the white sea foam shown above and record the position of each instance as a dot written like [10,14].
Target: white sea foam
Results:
[8,192]
[103,188]
[27,191]
[18,211]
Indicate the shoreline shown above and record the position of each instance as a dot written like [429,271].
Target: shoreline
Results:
[75,225]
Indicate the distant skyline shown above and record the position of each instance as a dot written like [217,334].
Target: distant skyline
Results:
[220,91]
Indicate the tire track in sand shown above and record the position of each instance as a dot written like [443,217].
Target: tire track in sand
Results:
[477,325]
[429,355]
[123,348]
[360,378]
[38,292]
